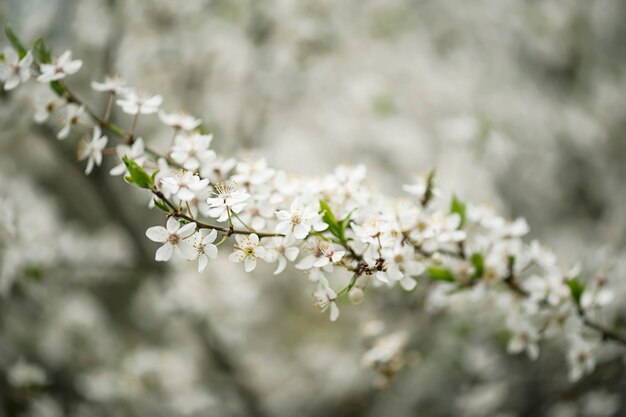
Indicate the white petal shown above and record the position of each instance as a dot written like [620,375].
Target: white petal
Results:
[187,230]
[157,234]
[210,251]
[203,261]
[250,264]
[291,253]
[282,264]
[172,224]
[236,256]
[334,311]
[164,253]
[408,283]
[301,231]
[259,252]
[187,250]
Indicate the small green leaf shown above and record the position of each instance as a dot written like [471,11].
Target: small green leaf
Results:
[33,271]
[161,204]
[479,264]
[576,289]
[430,187]
[329,218]
[458,207]
[15,42]
[42,53]
[137,175]
[343,224]
[58,88]
[440,274]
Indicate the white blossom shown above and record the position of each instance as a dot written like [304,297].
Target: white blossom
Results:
[133,102]
[173,236]
[59,68]
[205,249]
[110,84]
[192,150]
[179,120]
[135,152]
[581,357]
[323,254]
[184,185]
[281,252]
[14,70]
[297,222]
[228,197]
[72,117]
[247,251]
[92,150]
[325,298]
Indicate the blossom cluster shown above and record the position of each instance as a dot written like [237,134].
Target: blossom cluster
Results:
[335,228]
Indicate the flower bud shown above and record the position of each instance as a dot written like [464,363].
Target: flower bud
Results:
[356,295]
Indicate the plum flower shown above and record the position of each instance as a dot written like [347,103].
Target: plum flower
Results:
[325,298]
[324,254]
[401,266]
[581,357]
[15,70]
[297,222]
[72,118]
[191,151]
[59,68]
[281,252]
[111,84]
[173,237]
[247,250]
[227,197]
[205,249]
[138,103]
[184,184]
[92,151]
[134,152]
[525,338]
[597,294]
[180,120]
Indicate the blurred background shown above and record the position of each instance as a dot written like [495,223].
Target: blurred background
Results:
[520,105]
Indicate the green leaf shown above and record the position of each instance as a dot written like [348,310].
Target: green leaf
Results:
[15,42]
[576,289]
[440,274]
[458,207]
[430,187]
[161,204]
[137,175]
[58,88]
[343,224]
[479,264]
[336,228]
[33,271]
[42,53]
[329,218]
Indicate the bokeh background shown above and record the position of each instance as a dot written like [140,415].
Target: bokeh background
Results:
[517,104]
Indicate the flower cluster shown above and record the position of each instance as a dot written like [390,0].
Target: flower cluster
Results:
[343,234]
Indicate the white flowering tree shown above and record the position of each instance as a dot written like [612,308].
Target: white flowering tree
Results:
[347,238]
